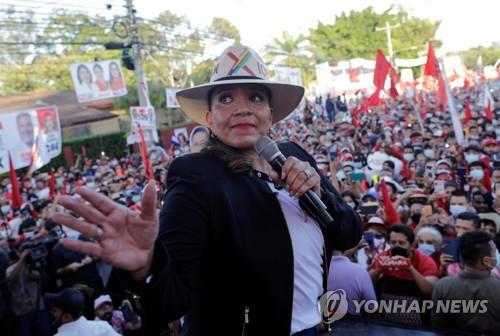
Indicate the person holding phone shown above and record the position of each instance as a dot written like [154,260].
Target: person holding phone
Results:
[120,319]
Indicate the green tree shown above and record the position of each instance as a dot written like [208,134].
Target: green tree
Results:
[291,51]
[489,55]
[222,29]
[354,34]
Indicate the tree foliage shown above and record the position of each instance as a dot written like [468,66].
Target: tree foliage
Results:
[355,34]
[489,55]
[292,51]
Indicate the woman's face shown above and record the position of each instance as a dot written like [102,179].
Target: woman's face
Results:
[98,73]
[240,115]
[114,71]
[85,76]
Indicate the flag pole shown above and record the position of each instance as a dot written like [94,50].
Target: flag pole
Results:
[457,125]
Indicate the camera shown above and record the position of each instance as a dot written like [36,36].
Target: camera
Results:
[39,247]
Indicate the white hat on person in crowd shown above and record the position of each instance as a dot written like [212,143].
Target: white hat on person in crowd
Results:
[102,299]
[492,217]
[240,65]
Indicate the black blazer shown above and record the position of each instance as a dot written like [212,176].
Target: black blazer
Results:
[224,247]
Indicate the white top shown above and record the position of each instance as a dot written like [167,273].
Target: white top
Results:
[82,326]
[307,244]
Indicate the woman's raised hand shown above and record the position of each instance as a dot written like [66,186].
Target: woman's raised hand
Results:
[121,237]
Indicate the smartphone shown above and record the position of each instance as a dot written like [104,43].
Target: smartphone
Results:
[450,247]
[128,314]
[439,187]
[427,211]
[369,208]
[357,176]
[461,172]
[369,238]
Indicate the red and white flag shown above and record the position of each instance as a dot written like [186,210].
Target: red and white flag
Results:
[489,103]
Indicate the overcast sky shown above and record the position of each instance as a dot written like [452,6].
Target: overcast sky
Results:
[464,24]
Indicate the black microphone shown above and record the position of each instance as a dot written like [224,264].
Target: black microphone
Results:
[310,201]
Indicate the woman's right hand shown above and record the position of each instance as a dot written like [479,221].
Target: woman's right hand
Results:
[122,238]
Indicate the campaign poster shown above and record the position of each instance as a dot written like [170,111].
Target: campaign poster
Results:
[31,136]
[171,97]
[98,80]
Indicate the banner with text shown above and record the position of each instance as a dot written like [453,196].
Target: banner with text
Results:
[32,135]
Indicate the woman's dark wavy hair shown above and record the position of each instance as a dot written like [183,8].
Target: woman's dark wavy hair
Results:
[236,160]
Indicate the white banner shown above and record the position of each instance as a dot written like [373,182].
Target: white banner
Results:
[144,116]
[33,134]
[171,98]
[288,75]
[98,80]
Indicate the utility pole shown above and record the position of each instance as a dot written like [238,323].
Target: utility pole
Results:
[387,29]
[142,85]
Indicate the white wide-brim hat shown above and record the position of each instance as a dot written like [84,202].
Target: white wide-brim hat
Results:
[240,65]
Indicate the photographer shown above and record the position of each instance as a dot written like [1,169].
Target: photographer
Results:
[24,283]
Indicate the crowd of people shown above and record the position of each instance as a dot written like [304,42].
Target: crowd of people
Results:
[429,207]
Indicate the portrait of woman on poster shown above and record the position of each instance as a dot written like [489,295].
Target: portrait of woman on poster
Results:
[115,77]
[101,82]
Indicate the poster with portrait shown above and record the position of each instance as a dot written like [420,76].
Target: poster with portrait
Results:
[98,80]
[143,115]
[31,136]
[171,98]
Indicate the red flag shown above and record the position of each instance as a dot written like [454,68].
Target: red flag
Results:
[468,112]
[431,66]
[374,100]
[355,119]
[487,180]
[488,103]
[394,80]
[16,194]
[391,215]
[144,154]
[52,183]
[381,69]
[442,91]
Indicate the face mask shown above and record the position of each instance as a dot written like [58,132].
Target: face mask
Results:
[398,250]
[358,165]
[437,133]
[136,198]
[477,174]
[457,210]
[59,181]
[406,141]
[489,128]
[416,218]
[429,153]
[6,209]
[497,131]
[408,157]
[471,158]
[378,242]
[29,235]
[351,204]
[427,249]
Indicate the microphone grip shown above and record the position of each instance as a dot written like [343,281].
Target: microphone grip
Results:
[310,201]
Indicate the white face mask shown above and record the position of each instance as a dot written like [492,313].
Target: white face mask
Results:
[408,157]
[471,158]
[351,204]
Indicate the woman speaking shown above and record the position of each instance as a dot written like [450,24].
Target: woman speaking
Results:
[232,249]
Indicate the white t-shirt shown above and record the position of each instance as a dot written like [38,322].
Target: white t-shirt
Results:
[307,243]
[82,326]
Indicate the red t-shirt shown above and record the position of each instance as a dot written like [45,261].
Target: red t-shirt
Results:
[422,263]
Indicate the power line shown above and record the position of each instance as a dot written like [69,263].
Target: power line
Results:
[58,4]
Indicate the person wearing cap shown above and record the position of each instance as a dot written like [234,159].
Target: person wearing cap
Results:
[229,242]
[66,309]
[104,311]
